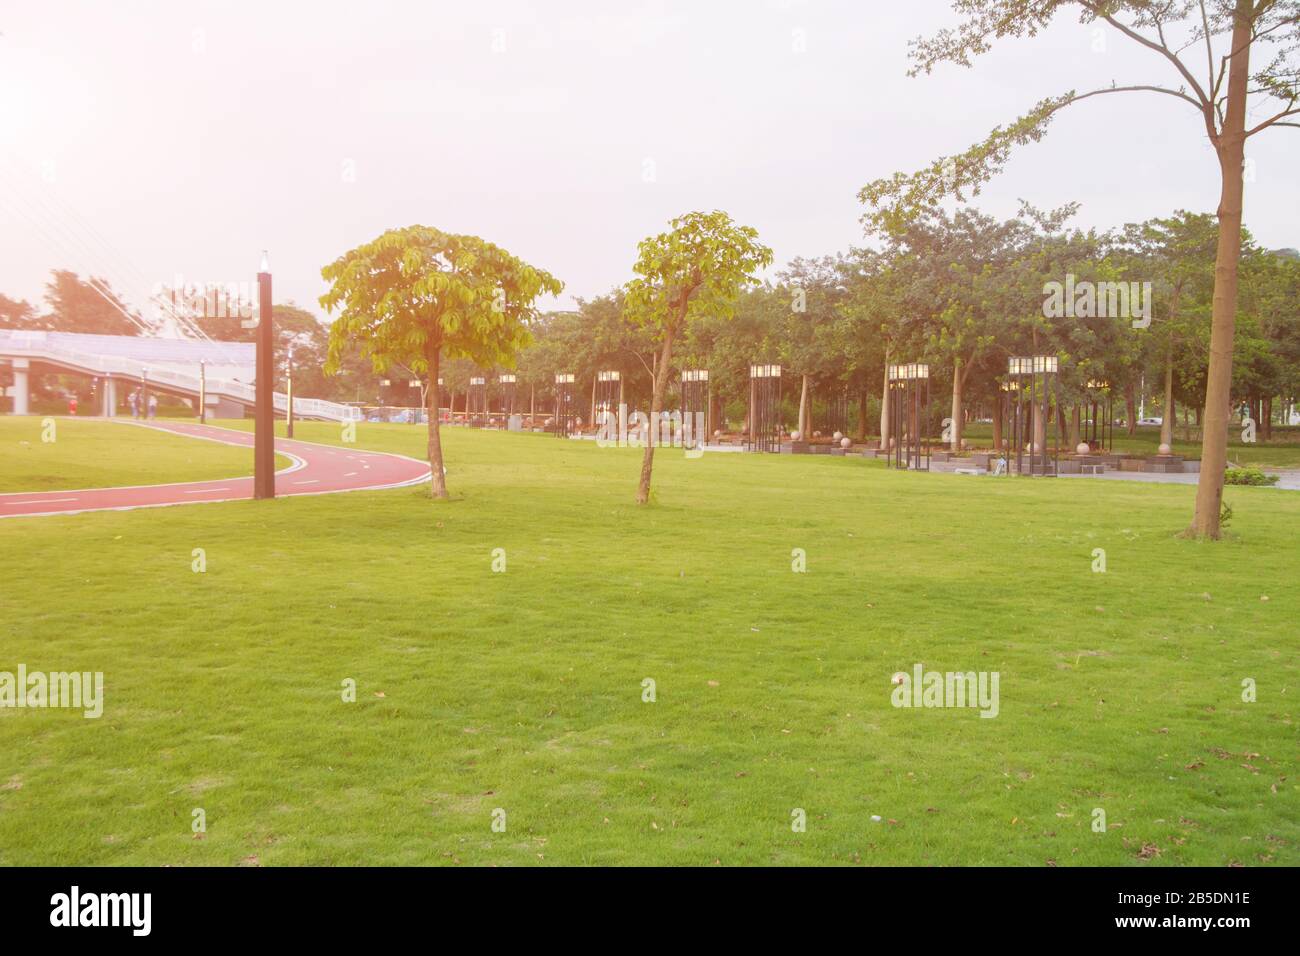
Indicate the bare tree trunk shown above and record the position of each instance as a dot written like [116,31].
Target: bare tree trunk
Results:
[532,404]
[1072,439]
[656,405]
[884,409]
[861,434]
[438,478]
[1231,149]
[958,384]
[1130,409]
[997,427]
[804,417]
[1167,420]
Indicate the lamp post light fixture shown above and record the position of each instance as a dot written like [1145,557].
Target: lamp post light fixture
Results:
[909,416]
[476,401]
[1040,371]
[609,385]
[764,408]
[563,423]
[1100,432]
[264,400]
[508,383]
[696,400]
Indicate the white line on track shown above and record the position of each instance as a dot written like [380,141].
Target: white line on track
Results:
[312,481]
[38,501]
[205,491]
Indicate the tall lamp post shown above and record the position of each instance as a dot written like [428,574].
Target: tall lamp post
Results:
[288,427]
[203,392]
[264,409]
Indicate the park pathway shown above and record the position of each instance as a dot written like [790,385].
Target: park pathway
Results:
[315,470]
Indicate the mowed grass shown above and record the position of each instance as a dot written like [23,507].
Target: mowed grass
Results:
[523,690]
[84,453]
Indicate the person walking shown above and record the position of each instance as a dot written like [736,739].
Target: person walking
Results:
[153,405]
[72,404]
[134,401]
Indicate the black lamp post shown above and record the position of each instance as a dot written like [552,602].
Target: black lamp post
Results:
[264,408]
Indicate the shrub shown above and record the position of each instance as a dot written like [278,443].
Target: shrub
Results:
[1248,476]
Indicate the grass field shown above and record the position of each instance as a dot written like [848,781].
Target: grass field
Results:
[523,690]
[93,454]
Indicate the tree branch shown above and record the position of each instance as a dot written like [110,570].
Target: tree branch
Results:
[1102,10]
[1274,121]
[1150,89]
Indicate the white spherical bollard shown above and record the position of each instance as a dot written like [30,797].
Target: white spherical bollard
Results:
[838,435]
[1082,448]
[846,442]
[1164,449]
[796,435]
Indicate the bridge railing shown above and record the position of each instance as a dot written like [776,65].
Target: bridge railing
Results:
[131,370]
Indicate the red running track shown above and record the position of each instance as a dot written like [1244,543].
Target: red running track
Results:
[316,470]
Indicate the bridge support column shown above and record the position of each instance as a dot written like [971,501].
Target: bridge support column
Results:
[110,397]
[20,389]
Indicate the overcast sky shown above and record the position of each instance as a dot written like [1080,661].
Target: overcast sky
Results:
[145,140]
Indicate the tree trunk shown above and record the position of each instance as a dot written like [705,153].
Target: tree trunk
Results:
[1231,150]
[1167,420]
[958,384]
[861,433]
[1072,439]
[997,426]
[532,405]
[438,480]
[884,409]
[1130,409]
[656,405]
[804,416]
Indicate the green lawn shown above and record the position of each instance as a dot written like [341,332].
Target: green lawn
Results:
[522,690]
[85,453]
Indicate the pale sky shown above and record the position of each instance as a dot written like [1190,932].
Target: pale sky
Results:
[146,140]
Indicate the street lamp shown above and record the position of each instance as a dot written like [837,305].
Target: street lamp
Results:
[288,427]
[264,394]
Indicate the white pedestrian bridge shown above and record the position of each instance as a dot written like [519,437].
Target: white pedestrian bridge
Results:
[222,371]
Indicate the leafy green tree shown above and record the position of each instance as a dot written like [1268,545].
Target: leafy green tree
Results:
[696,269]
[1227,33]
[415,295]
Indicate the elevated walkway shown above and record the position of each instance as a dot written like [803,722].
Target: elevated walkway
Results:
[223,371]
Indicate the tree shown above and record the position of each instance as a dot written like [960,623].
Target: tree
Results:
[415,295]
[19,314]
[88,305]
[1204,24]
[696,269]
[1179,252]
